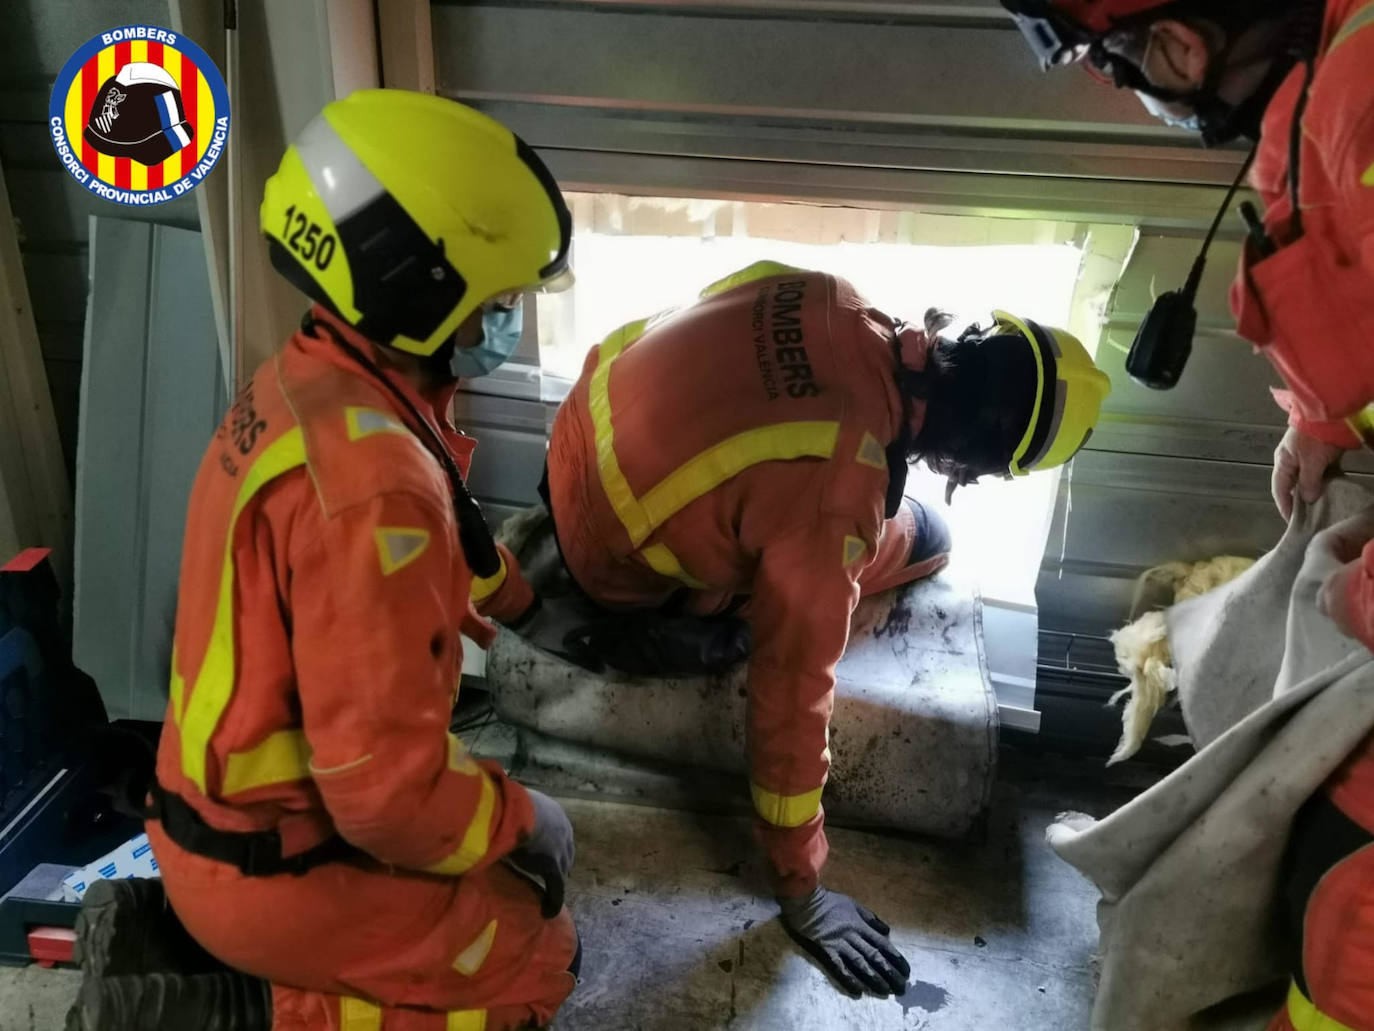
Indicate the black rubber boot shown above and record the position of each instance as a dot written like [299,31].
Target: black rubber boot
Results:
[175,1002]
[127,927]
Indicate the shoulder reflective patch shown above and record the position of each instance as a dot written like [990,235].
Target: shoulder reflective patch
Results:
[854,549]
[364,422]
[399,546]
[1368,178]
[871,453]
[470,960]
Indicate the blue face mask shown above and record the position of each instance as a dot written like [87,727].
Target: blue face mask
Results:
[501,328]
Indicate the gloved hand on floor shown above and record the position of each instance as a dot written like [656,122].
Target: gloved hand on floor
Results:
[548,851]
[848,941]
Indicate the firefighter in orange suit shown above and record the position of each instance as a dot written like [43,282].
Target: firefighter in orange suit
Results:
[1294,75]
[317,825]
[756,443]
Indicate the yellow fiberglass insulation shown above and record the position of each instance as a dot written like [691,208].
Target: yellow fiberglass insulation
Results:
[1142,646]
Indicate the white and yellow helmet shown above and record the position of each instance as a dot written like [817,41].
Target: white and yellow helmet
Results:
[405,212]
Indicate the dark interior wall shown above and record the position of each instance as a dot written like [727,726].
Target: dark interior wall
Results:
[50,208]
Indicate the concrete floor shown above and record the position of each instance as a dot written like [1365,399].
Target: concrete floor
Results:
[679,931]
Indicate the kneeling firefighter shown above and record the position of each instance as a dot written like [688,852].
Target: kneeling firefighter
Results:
[318,827]
[749,454]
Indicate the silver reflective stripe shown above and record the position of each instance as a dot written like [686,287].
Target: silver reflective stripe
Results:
[1061,393]
[342,181]
[1353,24]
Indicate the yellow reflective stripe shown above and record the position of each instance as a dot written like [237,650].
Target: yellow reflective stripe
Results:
[781,441]
[281,758]
[786,810]
[697,476]
[1368,178]
[214,684]
[613,481]
[359,1015]
[483,587]
[1019,455]
[662,561]
[476,839]
[459,759]
[1306,1017]
[1361,18]
[467,1020]
[470,960]
[177,689]
[753,273]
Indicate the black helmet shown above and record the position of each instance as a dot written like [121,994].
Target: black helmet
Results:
[138,114]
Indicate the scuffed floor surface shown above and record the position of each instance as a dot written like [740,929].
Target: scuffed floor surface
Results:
[679,932]
[32,999]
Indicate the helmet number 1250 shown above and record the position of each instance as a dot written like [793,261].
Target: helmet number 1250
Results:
[308,240]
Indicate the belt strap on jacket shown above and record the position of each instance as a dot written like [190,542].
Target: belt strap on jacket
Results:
[1304,1016]
[254,853]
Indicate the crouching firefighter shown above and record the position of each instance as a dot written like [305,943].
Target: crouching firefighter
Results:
[749,453]
[318,828]
[1294,76]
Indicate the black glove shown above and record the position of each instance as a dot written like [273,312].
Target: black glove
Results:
[547,852]
[848,941]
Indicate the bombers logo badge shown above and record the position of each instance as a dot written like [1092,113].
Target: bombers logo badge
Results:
[139,115]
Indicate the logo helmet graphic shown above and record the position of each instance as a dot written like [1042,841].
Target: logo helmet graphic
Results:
[138,114]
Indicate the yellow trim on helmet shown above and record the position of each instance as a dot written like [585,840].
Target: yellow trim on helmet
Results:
[1084,388]
[1005,322]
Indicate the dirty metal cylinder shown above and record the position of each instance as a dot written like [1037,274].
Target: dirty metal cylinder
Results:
[913,739]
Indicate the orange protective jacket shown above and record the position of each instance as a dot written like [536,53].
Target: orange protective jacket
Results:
[1310,308]
[1310,305]
[781,391]
[318,650]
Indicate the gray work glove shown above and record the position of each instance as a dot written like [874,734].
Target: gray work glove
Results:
[848,941]
[547,851]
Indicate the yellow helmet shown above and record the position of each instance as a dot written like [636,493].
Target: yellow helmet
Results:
[1069,391]
[405,212]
